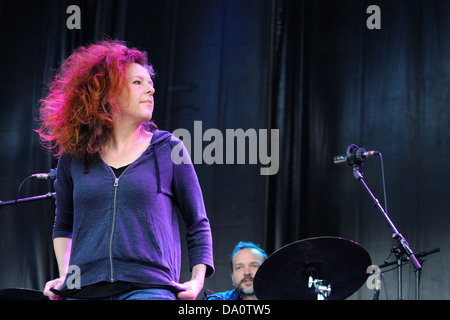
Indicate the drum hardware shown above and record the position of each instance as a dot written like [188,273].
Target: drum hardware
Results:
[322,291]
[322,268]
[402,261]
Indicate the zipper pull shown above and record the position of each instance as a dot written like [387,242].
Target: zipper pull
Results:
[116,182]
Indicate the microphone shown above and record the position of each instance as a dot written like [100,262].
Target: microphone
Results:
[50,175]
[354,156]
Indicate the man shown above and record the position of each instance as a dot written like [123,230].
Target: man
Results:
[244,262]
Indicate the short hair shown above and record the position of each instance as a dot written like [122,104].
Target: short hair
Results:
[245,245]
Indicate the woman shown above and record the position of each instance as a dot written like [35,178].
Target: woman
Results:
[116,186]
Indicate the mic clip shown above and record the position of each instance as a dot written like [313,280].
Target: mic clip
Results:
[356,155]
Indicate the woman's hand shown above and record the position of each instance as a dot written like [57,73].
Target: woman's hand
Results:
[193,287]
[55,283]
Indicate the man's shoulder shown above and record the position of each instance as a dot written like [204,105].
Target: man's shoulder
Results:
[226,295]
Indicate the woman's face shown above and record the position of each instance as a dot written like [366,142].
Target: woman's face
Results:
[136,101]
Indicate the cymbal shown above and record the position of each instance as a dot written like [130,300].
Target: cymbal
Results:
[339,262]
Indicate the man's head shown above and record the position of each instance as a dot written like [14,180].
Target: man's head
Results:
[244,262]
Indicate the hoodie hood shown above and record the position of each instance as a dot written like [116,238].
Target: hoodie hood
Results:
[159,138]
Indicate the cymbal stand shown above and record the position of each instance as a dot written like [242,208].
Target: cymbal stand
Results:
[403,247]
[405,260]
[322,290]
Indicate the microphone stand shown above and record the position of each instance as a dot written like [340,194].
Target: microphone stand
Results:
[13,202]
[403,247]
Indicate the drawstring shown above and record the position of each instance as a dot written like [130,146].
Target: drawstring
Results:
[158,178]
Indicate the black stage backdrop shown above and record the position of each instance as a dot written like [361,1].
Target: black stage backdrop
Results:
[311,69]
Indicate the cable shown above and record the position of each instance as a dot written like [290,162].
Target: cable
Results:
[20,187]
[384,183]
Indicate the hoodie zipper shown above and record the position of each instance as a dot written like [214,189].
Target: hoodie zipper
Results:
[116,185]
[113,224]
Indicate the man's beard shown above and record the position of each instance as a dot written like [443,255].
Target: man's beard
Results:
[243,290]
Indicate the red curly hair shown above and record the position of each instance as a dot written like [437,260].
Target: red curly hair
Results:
[76,116]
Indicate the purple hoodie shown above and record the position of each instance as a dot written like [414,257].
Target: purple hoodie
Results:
[126,228]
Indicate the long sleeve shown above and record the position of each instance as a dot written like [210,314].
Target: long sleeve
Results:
[189,199]
[64,201]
